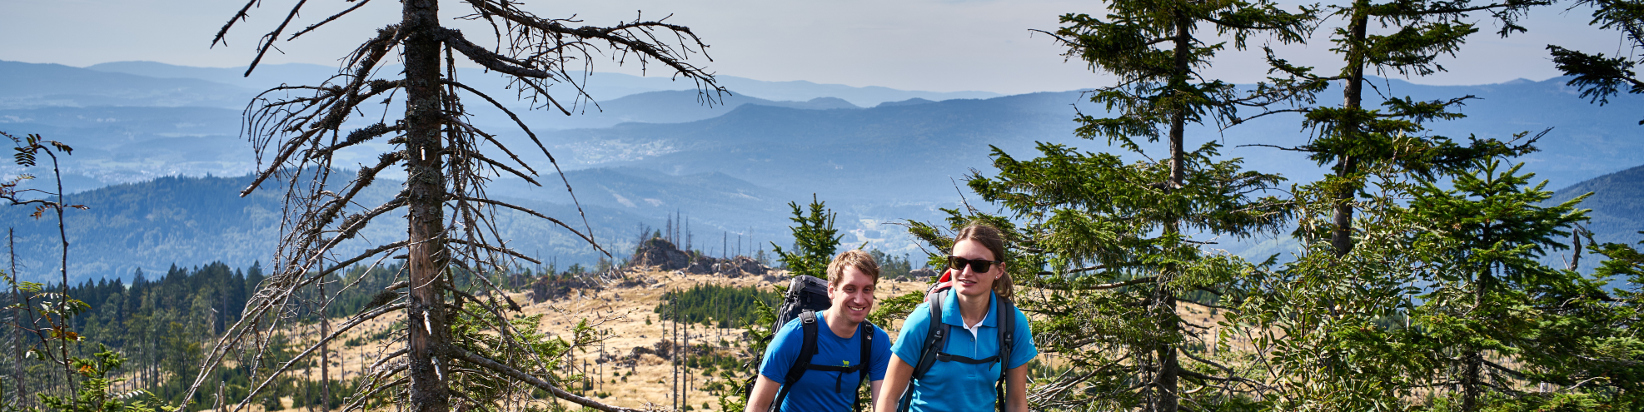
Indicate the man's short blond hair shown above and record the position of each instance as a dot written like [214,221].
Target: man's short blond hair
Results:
[856,258]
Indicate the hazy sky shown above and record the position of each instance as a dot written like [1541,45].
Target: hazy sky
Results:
[936,45]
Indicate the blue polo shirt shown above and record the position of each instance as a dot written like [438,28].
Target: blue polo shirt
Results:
[822,390]
[959,386]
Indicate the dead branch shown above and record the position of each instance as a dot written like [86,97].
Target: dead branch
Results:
[498,367]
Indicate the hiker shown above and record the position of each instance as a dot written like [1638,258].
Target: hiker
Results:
[961,363]
[828,380]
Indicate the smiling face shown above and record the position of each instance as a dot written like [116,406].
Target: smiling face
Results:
[970,282]
[852,295]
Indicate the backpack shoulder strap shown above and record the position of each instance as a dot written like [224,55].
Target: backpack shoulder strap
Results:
[807,350]
[1006,311]
[865,331]
[936,338]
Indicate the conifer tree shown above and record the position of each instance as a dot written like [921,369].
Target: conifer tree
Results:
[814,240]
[1609,353]
[1352,137]
[1122,245]
[1489,300]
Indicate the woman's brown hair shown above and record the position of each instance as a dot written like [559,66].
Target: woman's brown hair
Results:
[991,238]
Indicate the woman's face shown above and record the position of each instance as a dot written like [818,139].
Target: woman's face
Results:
[966,279]
[853,296]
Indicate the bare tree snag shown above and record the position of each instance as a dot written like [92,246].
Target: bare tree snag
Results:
[451,236]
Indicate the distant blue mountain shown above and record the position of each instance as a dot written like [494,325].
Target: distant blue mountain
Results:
[732,167]
[602,86]
[1617,205]
[675,106]
[885,154]
[30,85]
[190,221]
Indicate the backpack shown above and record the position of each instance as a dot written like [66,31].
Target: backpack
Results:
[806,295]
[936,338]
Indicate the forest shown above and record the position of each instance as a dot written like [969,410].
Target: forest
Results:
[1427,273]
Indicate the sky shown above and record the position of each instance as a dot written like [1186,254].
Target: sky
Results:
[931,45]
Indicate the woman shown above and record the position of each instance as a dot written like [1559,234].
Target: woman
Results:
[964,377]
[829,381]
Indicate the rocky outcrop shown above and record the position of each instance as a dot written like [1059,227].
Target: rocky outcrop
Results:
[662,254]
[702,266]
[922,274]
[749,266]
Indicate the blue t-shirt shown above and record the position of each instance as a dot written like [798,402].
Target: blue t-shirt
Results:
[822,390]
[959,386]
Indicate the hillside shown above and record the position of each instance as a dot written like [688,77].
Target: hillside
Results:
[603,86]
[1617,205]
[190,221]
[728,170]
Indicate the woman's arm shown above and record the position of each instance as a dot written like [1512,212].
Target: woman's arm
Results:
[1016,389]
[873,392]
[764,391]
[890,389]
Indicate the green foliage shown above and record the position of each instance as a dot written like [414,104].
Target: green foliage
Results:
[1406,37]
[716,306]
[94,393]
[1507,318]
[892,266]
[1329,325]
[1106,244]
[814,240]
[887,310]
[733,393]
[1597,76]
[1152,48]
[526,347]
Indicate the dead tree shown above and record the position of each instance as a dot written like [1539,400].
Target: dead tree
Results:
[297,131]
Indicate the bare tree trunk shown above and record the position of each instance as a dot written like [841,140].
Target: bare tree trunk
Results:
[425,184]
[325,353]
[673,358]
[19,388]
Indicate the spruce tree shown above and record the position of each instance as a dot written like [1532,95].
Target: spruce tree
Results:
[814,240]
[1119,248]
[1488,298]
[1353,137]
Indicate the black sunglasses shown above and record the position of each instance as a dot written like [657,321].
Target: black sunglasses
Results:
[976,265]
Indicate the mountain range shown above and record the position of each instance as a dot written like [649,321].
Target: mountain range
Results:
[653,151]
